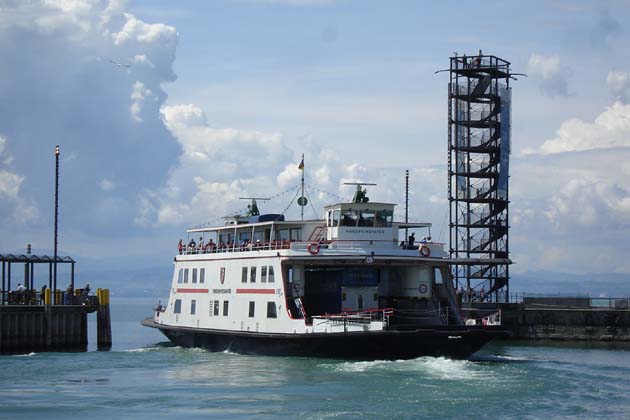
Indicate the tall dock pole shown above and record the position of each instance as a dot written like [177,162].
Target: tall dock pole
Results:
[56,215]
[406,203]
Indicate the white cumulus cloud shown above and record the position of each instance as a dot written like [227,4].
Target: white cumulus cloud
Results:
[610,129]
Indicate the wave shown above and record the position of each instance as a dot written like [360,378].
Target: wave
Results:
[438,367]
[26,355]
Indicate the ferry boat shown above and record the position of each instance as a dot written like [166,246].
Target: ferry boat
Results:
[344,286]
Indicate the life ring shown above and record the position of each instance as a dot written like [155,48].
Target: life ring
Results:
[313,248]
[425,251]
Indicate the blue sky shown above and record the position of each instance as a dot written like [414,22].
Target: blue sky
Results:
[221,98]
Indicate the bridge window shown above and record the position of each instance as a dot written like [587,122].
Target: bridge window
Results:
[252,277]
[177,309]
[349,218]
[252,309]
[226,304]
[180,276]
[271,279]
[194,275]
[193,306]
[202,275]
[335,218]
[186,275]
[244,275]
[263,274]
[271,310]
[366,218]
[383,218]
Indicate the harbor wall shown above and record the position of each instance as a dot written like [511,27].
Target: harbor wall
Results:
[574,321]
[31,328]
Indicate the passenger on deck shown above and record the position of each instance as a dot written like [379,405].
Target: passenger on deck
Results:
[42,295]
[69,294]
[192,245]
[210,246]
[200,246]
[412,239]
[180,246]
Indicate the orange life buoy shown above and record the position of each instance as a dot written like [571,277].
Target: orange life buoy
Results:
[313,248]
[425,251]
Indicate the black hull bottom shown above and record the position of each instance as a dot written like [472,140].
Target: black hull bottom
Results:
[456,343]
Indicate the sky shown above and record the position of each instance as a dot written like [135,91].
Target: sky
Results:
[167,112]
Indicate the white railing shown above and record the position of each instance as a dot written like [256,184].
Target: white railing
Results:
[312,247]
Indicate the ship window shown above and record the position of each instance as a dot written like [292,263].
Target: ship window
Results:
[216,308]
[202,275]
[383,218]
[194,275]
[366,218]
[271,310]
[178,306]
[211,307]
[222,275]
[271,279]
[252,309]
[349,218]
[438,276]
[336,215]
[252,277]
[244,275]
[263,274]
[244,236]
[193,306]
[283,234]
[180,276]
[226,304]
[186,275]
[259,236]
[296,234]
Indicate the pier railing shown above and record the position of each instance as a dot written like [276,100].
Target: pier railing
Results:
[35,297]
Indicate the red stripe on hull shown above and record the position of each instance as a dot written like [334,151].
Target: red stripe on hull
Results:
[257,291]
[192,290]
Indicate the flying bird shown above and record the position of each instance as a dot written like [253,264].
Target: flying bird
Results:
[121,65]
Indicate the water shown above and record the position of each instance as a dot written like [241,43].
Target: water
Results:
[144,377]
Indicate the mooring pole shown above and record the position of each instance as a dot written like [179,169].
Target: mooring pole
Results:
[56,215]
[406,203]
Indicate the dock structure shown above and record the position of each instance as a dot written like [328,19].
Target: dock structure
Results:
[35,318]
[559,318]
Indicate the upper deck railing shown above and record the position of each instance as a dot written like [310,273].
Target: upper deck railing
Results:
[313,247]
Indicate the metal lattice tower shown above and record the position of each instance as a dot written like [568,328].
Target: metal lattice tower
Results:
[479,146]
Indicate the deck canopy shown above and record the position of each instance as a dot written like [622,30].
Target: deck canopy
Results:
[32,258]
[26,275]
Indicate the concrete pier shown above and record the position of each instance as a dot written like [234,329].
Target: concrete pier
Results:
[551,318]
[47,327]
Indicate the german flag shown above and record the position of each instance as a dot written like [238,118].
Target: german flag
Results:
[301,165]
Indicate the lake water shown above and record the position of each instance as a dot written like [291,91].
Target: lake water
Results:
[144,377]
